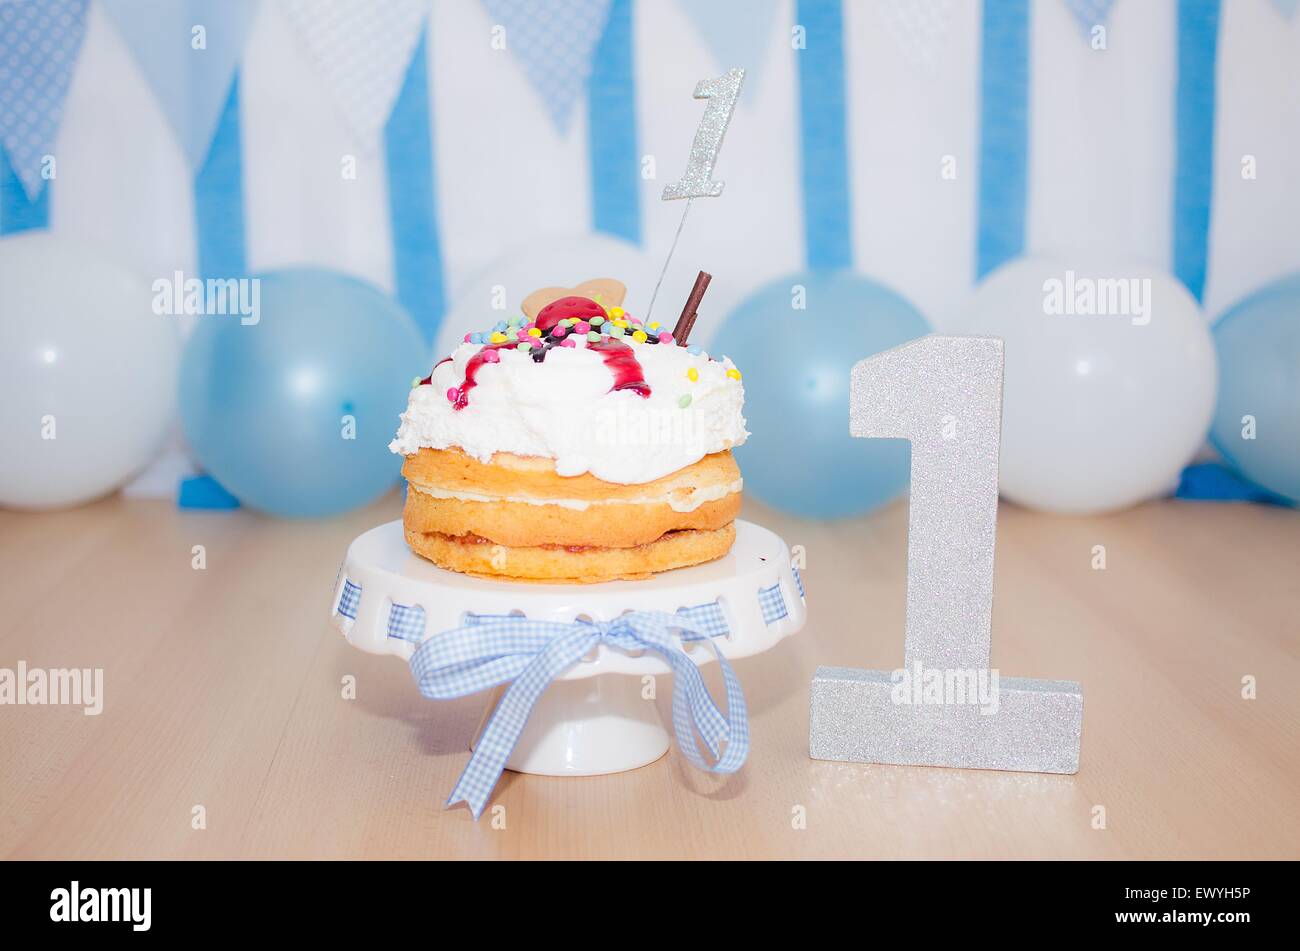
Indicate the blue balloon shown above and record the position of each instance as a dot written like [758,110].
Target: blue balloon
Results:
[1257,420]
[293,413]
[796,365]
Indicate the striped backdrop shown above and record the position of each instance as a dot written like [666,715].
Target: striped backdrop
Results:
[835,156]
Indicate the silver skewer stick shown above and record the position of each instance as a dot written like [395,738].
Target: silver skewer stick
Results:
[673,247]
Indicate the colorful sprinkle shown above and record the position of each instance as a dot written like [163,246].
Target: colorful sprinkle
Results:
[592,336]
[640,336]
[497,337]
[616,312]
[476,338]
[453,395]
[597,321]
[491,356]
[523,346]
[665,337]
[684,400]
[694,351]
[534,332]
[568,342]
[652,325]
[733,374]
[559,332]
[616,331]
[500,326]
[467,338]
[693,374]
[582,327]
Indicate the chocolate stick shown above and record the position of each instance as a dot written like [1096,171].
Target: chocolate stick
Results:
[687,320]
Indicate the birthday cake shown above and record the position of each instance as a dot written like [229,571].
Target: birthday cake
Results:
[573,444]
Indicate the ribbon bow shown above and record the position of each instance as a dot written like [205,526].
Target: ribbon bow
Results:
[491,650]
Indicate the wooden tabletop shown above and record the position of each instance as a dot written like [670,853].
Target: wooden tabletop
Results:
[223,691]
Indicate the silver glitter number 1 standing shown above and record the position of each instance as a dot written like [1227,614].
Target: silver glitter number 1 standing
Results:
[945,707]
[698,180]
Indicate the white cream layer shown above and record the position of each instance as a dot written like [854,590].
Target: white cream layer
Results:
[563,409]
[678,500]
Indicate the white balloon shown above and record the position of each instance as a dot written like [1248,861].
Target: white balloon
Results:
[1110,380]
[87,373]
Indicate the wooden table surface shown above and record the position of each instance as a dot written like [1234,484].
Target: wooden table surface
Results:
[223,690]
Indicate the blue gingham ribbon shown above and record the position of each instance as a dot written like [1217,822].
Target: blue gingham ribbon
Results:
[492,650]
[349,599]
[772,604]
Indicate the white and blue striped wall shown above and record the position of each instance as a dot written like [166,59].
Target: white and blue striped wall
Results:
[834,155]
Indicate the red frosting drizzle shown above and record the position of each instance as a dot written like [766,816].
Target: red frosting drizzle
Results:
[622,362]
[617,356]
[471,373]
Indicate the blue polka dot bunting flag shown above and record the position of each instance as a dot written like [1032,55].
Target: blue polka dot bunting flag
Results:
[39,42]
[553,43]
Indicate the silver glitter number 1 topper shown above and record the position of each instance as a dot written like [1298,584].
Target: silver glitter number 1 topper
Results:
[697,182]
[945,395]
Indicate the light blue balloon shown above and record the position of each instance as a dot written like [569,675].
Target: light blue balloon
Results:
[268,407]
[796,366]
[1258,340]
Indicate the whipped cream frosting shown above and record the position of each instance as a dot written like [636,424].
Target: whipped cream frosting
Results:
[563,409]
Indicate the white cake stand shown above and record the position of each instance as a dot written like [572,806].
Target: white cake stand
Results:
[596,717]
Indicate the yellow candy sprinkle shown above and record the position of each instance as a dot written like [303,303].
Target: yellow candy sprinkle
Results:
[653,325]
[639,336]
[534,332]
[497,337]
[616,312]
[621,323]
[733,374]
[692,374]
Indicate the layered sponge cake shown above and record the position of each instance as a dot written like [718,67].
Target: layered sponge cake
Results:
[573,444]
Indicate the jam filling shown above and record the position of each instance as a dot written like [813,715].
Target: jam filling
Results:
[469,538]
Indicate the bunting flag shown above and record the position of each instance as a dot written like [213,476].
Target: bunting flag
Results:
[916,26]
[362,49]
[187,51]
[39,41]
[554,43]
[737,33]
[1089,13]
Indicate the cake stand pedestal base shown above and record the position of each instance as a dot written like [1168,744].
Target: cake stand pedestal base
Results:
[595,717]
[586,728]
